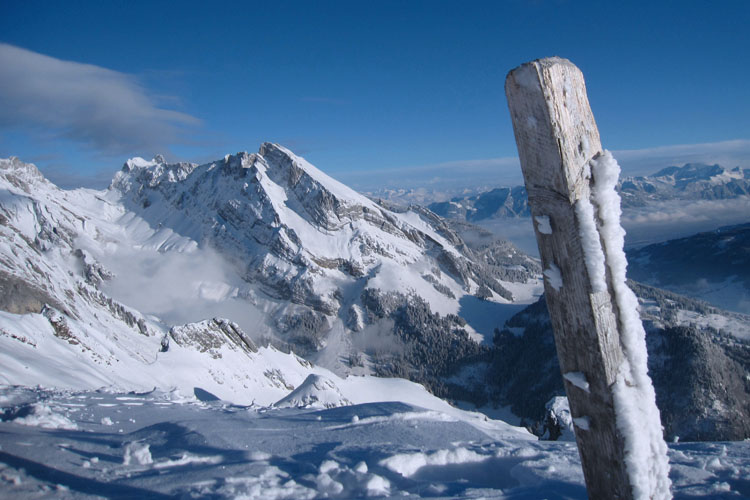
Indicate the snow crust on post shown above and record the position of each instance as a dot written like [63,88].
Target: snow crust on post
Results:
[554,277]
[582,423]
[592,248]
[578,379]
[634,398]
[542,224]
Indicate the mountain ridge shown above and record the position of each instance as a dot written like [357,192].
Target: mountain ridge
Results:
[307,263]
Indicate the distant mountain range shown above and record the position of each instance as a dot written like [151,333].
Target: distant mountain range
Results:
[129,286]
[690,182]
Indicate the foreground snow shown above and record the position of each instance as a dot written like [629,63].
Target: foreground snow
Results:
[165,445]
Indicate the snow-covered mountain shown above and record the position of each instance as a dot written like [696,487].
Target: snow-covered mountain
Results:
[329,268]
[123,281]
[713,266]
[692,181]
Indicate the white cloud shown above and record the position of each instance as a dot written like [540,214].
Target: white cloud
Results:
[107,111]
[181,287]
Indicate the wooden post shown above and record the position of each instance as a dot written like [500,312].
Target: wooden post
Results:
[557,137]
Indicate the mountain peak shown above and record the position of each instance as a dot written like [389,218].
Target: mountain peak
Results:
[20,174]
[137,163]
[268,147]
[137,171]
[692,171]
[288,168]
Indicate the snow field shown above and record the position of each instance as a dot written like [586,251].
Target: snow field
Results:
[229,451]
[174,445]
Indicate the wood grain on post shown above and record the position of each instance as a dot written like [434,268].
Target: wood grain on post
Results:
[556,137]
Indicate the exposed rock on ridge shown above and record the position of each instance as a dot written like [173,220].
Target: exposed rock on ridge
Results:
[304,237]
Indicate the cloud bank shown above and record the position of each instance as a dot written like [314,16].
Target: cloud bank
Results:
[672,219]
[654,223]
[101,109]
[181,287]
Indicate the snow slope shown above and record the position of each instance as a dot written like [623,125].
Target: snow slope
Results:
[72,445]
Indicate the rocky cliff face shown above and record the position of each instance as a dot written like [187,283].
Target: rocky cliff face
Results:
[305,239]
[210,336]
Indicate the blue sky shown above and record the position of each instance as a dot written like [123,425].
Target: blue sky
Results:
[398,94]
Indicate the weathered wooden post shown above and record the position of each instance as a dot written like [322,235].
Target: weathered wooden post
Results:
[599,337]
